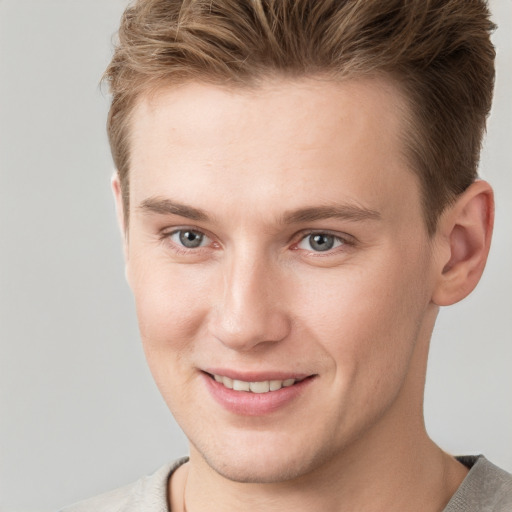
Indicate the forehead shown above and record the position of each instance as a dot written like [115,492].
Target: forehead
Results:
[304,139]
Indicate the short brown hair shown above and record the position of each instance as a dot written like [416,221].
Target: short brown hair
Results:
[438,51]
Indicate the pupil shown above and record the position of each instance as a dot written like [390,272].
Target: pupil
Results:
[322,242]
[191,239]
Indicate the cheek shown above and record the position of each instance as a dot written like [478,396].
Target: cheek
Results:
[171,307]
[367,322]
[171,302]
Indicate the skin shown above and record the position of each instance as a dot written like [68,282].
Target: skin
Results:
[256,295]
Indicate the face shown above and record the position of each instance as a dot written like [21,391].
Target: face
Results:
[281,269]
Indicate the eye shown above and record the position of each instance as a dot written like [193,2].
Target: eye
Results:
[320,242]
[189,238]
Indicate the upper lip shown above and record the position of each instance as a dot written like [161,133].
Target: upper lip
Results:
[256,376]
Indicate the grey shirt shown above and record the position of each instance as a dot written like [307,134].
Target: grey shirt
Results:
[486,488]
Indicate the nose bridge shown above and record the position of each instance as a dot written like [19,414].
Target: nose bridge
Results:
[250,310]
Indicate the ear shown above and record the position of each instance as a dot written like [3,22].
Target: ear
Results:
[466,230]
[118,199]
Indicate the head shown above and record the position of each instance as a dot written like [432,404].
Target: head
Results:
[298,184]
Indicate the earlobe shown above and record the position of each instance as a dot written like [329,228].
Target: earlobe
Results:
[467,228]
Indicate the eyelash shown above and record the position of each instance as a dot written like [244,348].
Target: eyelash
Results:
[344,241]
[166,236]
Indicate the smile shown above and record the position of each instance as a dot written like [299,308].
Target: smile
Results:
[260,393]
[264,386]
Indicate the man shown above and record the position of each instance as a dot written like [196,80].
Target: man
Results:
[298,195]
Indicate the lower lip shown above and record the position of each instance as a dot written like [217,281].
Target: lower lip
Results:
[246,403]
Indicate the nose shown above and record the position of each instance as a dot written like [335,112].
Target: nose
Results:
[250,310]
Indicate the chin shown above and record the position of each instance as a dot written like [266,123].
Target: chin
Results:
[264,462]
[258,471]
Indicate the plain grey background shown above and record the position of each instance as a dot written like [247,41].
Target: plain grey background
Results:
[79,413]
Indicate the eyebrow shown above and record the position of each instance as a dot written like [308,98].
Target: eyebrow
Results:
[164,206]
[343,212]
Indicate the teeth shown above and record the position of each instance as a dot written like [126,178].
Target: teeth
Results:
[260,387]
[254,387]
[228,383]
[240,385]
[275,385]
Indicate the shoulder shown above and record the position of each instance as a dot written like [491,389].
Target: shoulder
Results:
[486,488]
[148,494]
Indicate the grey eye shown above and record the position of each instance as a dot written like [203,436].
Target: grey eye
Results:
[319,242]
[188,238]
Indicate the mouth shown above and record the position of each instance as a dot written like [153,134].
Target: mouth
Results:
[255,394]
[259,387]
